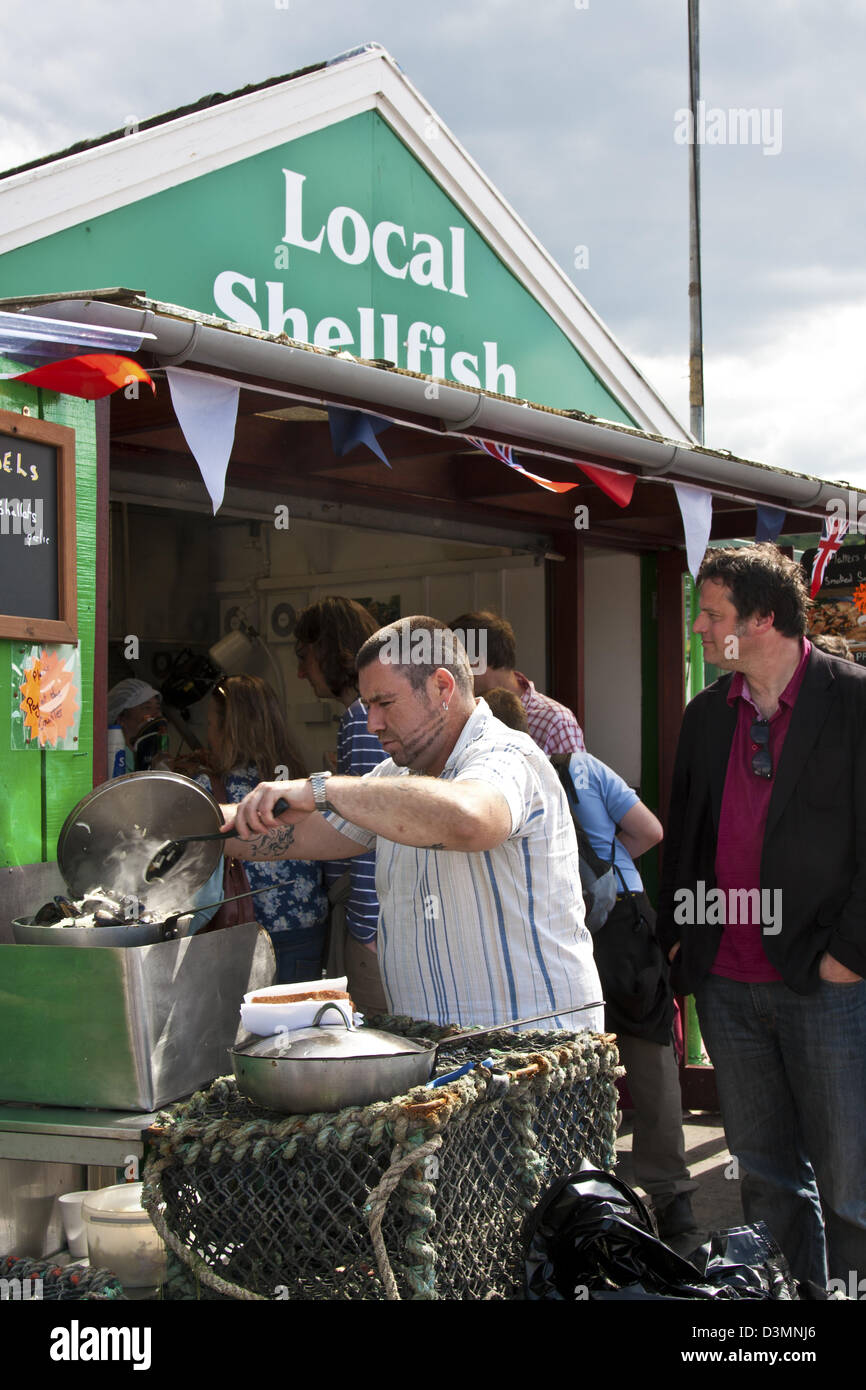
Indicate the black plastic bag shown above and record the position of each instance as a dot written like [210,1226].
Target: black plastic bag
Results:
[592,1238]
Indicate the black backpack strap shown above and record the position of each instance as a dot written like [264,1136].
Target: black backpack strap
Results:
[561,762]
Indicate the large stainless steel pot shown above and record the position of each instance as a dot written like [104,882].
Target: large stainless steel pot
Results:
[327,1068]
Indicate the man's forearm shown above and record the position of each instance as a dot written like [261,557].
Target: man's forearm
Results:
[310,837]
[275,844]
[423,811]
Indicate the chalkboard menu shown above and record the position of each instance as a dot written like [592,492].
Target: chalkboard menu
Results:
[840,604]
[37,530]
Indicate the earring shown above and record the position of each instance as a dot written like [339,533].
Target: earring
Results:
[445,706]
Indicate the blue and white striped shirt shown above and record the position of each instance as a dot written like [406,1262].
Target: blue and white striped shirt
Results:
[485,938]
[357,752]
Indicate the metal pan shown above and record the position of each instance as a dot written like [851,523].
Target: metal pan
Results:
[26,933]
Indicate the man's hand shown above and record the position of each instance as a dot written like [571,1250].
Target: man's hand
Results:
[831,969]
[254,815]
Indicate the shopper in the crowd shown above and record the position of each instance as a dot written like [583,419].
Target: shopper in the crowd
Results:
[491,638]
[833,645]
[248,743]
[634,975]
[763,905]
[328,636]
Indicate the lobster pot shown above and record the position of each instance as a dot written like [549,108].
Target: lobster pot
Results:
[420,1197]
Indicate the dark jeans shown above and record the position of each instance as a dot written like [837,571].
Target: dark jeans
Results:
[791,1076]
[299,954]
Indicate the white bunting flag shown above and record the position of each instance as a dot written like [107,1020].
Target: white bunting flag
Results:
[696,509]
[207,412]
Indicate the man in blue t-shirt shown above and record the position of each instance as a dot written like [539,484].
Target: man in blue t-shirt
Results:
[328,635]
[638,996]
[634,976]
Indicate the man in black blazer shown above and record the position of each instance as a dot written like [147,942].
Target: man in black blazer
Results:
[763,906]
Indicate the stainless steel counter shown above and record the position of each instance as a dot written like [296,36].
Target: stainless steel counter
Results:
[57,1135]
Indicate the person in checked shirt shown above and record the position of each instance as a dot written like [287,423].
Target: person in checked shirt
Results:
[552,726]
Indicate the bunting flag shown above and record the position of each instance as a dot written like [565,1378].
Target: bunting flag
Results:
[207,410]
[90,377]
[696,509]
[770,522]
[615,485]
[832,535]
[505,454]
[349,428]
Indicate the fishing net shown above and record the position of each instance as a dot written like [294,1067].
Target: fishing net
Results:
[45,1280]
[420,1197]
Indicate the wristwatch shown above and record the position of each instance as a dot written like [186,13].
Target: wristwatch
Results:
[319,783]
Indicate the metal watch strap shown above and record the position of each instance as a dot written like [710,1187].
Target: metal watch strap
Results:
[318,782]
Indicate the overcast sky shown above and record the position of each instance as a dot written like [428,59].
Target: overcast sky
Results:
[570,108]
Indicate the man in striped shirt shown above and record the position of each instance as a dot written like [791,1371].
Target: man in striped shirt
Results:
[552,725]
[477,867]
[327,637]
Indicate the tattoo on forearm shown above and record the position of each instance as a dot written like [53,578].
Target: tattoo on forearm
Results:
[273,843]
[434,846]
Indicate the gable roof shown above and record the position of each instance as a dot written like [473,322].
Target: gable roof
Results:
[103,175]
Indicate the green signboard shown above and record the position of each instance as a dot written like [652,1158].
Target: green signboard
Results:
[340,238]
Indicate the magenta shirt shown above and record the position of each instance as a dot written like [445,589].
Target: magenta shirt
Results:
[745,803]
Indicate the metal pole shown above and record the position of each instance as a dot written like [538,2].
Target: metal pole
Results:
[696,343]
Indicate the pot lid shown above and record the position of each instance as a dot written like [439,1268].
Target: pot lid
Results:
[305,1044]
[110,837]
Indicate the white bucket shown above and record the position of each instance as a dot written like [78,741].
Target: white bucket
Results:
[121,1236]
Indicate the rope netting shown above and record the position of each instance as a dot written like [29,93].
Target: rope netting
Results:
[45,1280]
[423,1196]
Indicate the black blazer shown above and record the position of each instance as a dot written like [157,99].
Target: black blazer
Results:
[815,838]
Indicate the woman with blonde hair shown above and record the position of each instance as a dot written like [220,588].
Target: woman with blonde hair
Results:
[248,743]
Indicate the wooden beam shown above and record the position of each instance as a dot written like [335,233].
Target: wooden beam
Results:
[671,564]
[564,590]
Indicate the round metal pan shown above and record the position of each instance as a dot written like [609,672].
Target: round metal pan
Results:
[26,933]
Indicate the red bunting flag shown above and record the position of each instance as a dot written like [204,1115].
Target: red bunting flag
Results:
[615,485]
[91,376]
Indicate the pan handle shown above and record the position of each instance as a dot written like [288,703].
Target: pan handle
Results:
[472,1033]
[324,1009]
[458,1072]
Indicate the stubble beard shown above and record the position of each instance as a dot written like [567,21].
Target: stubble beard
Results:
[414,748]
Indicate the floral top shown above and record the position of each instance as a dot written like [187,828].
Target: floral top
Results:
[298,901]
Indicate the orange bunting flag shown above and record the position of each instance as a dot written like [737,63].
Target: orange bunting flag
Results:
[90,376]
[505,454]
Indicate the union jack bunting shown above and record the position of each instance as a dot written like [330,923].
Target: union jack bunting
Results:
[832,535]
[505,454]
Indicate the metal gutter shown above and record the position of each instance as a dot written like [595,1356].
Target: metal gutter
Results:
[181,335]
